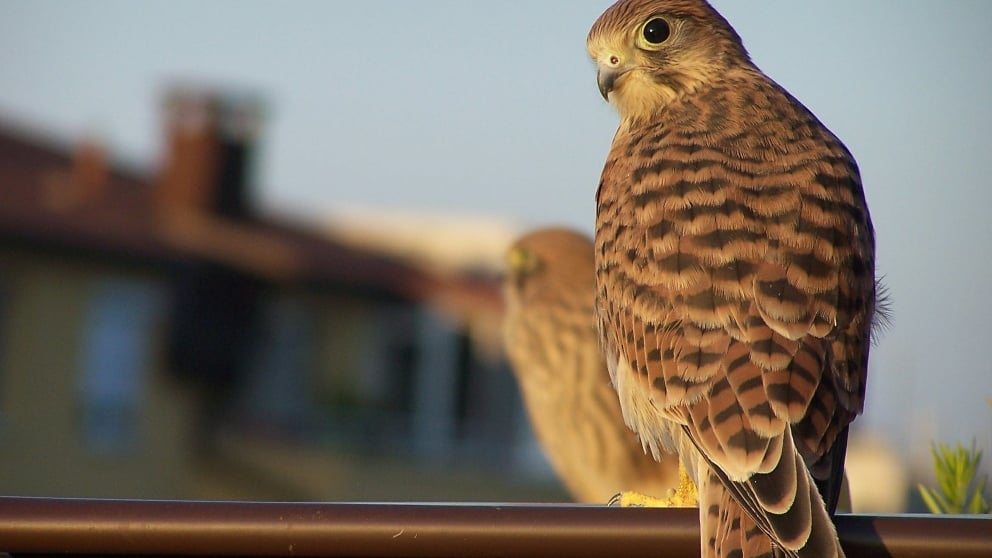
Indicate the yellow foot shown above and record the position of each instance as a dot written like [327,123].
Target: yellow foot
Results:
[683,496]
[686,495]
[630,499]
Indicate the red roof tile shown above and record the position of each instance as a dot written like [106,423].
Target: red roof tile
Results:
[43,204]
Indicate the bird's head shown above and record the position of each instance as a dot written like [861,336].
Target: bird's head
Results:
[521,262]
[649,52]
[549,259]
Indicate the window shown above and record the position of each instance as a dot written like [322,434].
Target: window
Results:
[116,356]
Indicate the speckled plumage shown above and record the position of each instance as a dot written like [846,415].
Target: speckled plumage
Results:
[735,276]
[553,345]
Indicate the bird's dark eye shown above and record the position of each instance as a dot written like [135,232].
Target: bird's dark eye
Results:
[656,31]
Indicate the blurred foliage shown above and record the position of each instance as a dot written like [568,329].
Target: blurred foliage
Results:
[960,489]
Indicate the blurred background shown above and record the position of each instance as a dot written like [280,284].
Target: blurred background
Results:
[250,250]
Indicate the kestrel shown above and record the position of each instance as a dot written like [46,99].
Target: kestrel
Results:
[553,345]
[735,276]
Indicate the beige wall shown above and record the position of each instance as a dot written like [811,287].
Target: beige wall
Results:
[45,306]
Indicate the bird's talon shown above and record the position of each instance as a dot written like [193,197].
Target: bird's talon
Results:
[631,499]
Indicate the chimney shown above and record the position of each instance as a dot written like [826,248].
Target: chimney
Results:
[84,182]
[89,174]
[209,142]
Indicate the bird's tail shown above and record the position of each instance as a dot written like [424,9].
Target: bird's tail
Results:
[778,513]
[727,530]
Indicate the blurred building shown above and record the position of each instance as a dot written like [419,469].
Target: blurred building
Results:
[437,242]
[159,337]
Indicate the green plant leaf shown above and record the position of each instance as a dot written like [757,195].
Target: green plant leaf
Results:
[930,499]
[977,504]
[960,488]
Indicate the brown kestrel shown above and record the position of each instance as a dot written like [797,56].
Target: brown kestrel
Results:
[735,276]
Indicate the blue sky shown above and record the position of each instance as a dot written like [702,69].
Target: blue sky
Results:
[492,108]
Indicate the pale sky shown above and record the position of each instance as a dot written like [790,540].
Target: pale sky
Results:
[491,108]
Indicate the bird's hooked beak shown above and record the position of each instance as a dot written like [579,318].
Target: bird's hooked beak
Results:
[610,68]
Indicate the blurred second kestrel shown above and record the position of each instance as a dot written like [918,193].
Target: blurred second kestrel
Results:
[553,345]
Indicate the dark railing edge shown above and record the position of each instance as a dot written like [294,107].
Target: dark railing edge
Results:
[197,528]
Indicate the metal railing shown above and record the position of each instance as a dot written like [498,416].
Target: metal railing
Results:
[186,528]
